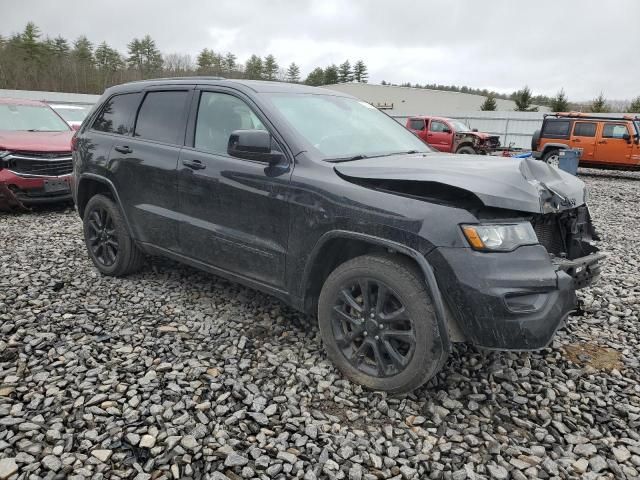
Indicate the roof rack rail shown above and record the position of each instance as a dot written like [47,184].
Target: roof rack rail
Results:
[589,115]
[193,77]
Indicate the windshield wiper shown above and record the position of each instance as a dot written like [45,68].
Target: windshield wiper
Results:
[346,159]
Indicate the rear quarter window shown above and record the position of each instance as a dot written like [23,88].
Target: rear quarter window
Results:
[116,115]
[556,128]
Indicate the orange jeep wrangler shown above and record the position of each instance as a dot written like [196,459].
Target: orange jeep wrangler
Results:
[606,142]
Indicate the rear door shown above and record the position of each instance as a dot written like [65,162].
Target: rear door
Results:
[440,135]
[419,127]
[611,147]
[584,137]
[144,165]
[235,212]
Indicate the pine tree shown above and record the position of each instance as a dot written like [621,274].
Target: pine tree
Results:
[345,75]
[253,68]
[30,43]
[634,106]
[559,103]
[270,68]
[107,59]
[60,47]
[360,73]
[315,78]
[599,104]
[205,61]
[144,56]
[293,73]
[230,64]
[489,104]
[523,99]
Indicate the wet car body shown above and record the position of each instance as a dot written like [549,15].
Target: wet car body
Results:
[283,227]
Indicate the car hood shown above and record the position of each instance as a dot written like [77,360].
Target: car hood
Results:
[516,184]
[36,141]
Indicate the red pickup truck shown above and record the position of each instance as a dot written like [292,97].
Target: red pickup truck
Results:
[35,154]
[452,136]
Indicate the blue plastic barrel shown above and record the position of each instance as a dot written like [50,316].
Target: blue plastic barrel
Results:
[569,160]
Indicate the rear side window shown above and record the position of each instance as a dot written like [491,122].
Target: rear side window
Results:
[584,129]
[416,124]
[161,117]
[556,128]
[117,114]
[614,130]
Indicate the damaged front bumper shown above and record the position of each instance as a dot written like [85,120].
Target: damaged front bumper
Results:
[511,300]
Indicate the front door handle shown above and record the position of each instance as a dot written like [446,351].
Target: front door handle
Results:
[123,149]
[602,142]
[194,164]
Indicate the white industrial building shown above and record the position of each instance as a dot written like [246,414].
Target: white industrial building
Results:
[407,101]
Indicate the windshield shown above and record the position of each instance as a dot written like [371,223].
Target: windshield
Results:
[71,113]
[637,127]
[342,128]
[459,126]
[30,117]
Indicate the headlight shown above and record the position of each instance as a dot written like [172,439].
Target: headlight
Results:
[501,237]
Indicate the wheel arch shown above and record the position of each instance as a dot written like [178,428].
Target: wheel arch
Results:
[553,146]
[90,185]
[338,246]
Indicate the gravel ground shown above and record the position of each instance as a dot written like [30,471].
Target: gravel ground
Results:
[175,373]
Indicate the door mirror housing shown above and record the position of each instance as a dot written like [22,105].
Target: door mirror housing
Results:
[253,145]
[626,137]
[446,130]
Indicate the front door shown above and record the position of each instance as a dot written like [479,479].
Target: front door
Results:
[440,136]
[612,147]
[234,212]
[584,137]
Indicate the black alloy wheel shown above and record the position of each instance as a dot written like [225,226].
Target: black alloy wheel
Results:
[372,328]
[102,238]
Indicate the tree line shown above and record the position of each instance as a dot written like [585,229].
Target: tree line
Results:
[29,61]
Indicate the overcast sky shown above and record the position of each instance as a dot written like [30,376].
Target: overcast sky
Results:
[585,46]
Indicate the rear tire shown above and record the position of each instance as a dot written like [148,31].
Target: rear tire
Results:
[109,245]
[466,151]
[389,339]
[552,158]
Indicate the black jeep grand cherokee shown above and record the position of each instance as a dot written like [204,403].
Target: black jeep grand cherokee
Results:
[330,205]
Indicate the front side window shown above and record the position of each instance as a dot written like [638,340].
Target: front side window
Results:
[219,114]
[416,124]
[33,118]
[342,128]
[117,113]
[160,117]
[437,126]
[614,130]
[584,129]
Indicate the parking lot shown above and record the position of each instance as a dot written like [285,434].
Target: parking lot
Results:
[172,372]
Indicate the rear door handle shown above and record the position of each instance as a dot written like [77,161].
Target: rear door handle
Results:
[123,149]
[602,141]
[194,164]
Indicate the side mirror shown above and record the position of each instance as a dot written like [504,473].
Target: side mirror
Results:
[446,130]
[474,129]
[253,145]
[626,137]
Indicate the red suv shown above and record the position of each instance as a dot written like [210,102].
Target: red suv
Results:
[35,153]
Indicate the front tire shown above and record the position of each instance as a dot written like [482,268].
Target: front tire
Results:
[552,158]
[109,245]
[378,324]
[466,151]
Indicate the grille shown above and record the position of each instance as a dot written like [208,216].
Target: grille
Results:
[550,236]
[44,164]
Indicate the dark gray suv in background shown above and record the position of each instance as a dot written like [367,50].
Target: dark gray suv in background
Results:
[325,202]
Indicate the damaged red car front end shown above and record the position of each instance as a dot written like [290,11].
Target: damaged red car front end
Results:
[35,155]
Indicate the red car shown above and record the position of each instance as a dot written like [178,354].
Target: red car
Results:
[452,136]
[35,154]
